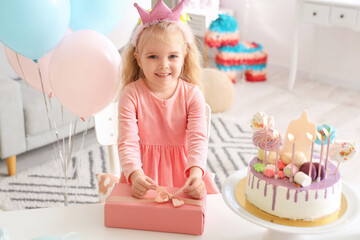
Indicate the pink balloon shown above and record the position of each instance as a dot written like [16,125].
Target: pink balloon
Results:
[27,69]
[84,72]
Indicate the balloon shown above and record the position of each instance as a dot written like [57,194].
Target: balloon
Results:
[28,70]
[84,72]
[33,28]
[98,15]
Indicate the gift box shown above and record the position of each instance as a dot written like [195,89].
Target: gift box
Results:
[122,210]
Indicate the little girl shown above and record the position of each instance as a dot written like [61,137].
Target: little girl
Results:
[162,123]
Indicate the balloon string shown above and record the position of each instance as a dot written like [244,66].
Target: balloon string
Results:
[65,162]
[22,71]
[43,92]
[71,142]
[78,163]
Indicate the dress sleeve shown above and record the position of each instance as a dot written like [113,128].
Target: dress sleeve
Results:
[197,139]
[128,139]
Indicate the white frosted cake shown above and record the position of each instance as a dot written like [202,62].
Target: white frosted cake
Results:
[290,182]
[286,199]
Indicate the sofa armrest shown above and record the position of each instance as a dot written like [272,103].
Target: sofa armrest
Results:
[12,130]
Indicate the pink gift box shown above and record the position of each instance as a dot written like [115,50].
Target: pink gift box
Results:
[124,211]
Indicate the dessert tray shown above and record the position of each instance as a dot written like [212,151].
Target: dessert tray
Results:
[287,229]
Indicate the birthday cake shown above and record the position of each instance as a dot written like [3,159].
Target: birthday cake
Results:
[291,182]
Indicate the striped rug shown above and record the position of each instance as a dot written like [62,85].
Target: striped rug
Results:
[230,149]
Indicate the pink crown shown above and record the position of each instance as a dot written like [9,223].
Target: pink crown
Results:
[160,12]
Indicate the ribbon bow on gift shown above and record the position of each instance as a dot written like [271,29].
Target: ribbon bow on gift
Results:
[165,196]
[162,196]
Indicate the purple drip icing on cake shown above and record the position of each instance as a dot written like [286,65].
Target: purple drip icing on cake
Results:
[288,194]
[325,193]
[323,184]
[252,183]
[258,184]
[265,189]
[274,198]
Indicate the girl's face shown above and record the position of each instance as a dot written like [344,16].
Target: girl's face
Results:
[161,62]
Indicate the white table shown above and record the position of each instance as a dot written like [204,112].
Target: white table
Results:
[331,13]
[88,221]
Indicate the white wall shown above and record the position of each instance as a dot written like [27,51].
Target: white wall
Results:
[270,23]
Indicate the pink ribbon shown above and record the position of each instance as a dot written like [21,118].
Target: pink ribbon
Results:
[162,196]
[165,196]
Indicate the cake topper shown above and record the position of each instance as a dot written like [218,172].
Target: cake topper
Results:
[298,128]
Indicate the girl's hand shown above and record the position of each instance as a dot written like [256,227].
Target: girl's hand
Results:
[194,185]
[141,184]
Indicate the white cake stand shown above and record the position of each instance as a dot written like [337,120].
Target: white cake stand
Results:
[282,232]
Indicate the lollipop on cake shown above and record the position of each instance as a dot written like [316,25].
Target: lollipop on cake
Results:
[262,120]
[267,139]
[342,151]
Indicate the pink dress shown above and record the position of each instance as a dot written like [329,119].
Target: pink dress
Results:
[163,138]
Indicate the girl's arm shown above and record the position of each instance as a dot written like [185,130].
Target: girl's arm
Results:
[128,140]
[197,146]
[196,133]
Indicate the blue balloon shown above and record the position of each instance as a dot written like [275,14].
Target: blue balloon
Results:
[33,28]
[98,15]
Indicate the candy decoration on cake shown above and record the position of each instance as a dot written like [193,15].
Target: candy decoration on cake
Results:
[261,120]
[325,137]
[303,179]
[269,171]
[232,55]
[259,167]
[305,168]
[266,140]
[342,151]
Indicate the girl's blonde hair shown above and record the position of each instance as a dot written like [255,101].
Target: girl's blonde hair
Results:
[163,32]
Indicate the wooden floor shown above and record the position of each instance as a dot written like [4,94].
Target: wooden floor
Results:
[325,103]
